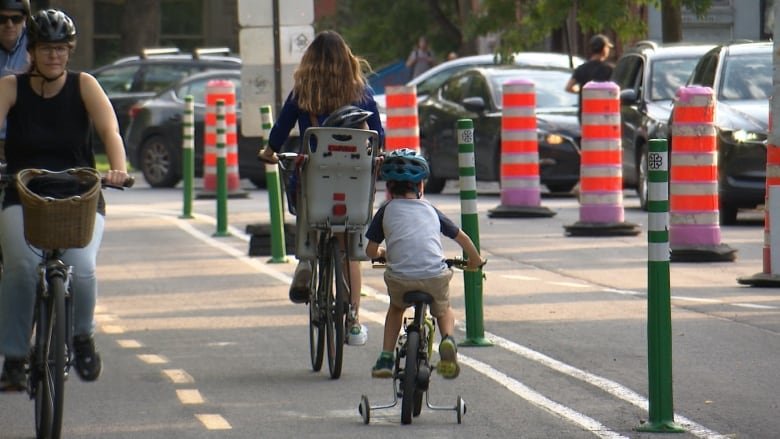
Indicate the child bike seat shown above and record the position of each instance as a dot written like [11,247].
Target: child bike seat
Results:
[412,297]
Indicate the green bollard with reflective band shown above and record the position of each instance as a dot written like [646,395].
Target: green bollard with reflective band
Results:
[278,248]
[188,155]
[659,314]
[475,328]
[222,189]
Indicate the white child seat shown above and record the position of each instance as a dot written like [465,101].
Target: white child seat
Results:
[337,179]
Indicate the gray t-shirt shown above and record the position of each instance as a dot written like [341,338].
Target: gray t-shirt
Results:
[412,232]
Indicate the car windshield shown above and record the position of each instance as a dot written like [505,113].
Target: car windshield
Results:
[668,75]
[550,87]
[746,77]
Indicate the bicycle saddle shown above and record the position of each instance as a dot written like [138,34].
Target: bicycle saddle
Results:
[413,297]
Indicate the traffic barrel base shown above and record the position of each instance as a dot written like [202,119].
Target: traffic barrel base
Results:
[602,229]
[711,253]
[503,211]
[761,280]
[260,239]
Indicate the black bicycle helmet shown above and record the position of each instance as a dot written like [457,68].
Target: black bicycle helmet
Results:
[404,164]
[16,5]
[348,116]
[51,26]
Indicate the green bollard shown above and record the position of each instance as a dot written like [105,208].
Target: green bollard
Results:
[659,319]
[222,189]
[188,155]
[278,248]
[475,328]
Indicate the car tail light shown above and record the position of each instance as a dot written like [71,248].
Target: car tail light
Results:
[133,111]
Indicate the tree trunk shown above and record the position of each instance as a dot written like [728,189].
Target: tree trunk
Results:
[140,26]
[671,21]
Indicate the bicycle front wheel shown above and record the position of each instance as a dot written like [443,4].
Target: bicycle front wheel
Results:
[50,361]
[338,294]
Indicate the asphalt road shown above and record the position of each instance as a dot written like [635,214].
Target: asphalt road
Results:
[199,340]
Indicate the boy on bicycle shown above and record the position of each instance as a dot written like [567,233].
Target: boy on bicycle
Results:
[411,228]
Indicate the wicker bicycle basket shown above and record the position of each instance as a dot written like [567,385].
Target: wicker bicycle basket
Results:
[62,221]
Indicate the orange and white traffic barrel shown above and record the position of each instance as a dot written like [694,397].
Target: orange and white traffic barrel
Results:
[520,187]
[601,165]
[694,225]
[215,90]
[402,128]
[770,274]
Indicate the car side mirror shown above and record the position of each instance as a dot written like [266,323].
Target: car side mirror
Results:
[474,104]
[628,96]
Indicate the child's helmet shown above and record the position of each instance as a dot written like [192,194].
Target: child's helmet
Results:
[51,26]
[348,116]
[404,164]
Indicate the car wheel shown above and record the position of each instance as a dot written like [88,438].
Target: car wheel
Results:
[160,163]
[643,187]
[728,215]
[259,183]
[434,184]
[560,187]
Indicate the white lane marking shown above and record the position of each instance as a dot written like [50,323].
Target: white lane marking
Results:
[604,384]
[570,284]
[152,359]
[129,344]
[189,396]
[178,376]
[539,400]
[213,422]
[754,306]
[609,386]
[112,329]
[519,277]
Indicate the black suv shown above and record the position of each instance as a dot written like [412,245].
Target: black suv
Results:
[649,75]
[130,79]
[740,75]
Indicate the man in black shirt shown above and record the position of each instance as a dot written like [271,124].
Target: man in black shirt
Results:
[595,69]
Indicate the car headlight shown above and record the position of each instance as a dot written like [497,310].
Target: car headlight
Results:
[551,139]
[744,136]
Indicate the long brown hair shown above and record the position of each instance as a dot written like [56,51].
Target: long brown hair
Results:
[329,75]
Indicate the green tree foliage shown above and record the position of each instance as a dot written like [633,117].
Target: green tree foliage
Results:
[386,31]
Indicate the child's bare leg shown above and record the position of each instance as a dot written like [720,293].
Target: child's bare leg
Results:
[393,321]
[355,284]
[446,322]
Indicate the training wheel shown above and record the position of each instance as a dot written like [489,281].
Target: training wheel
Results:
[365,409]
[460,407]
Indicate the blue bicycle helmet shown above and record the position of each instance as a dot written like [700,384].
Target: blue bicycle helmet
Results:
[404,164]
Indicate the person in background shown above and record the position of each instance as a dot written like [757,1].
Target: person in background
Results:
[13,45]
[451,56]
[596,68]
[421,58]
[49,110]
[328,78]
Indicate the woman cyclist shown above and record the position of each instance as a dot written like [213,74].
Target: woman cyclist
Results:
[48,112]
[329,77]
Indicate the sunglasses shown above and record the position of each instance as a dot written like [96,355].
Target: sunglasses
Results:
[15,19]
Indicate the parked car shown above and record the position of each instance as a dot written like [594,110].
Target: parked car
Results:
[649,75]
[741,76]
[476,93]
[130,79]
[431,79]
[154,135]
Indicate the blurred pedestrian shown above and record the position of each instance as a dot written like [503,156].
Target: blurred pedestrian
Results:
[13,45]
[451,56]
[595,69]
[421,58]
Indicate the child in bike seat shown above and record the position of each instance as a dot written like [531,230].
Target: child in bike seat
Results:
[411,228]
[329,84]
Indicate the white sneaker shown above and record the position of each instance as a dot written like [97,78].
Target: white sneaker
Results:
[358,335]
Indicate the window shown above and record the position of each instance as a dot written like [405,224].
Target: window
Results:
[667,76]
[117,80]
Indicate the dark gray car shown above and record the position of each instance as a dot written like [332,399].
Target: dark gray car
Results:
[649,75]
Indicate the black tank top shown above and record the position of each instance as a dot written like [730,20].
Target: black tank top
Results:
[49,133]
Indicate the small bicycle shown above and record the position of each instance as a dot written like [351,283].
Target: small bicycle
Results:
[413,359]
[336,194]
[54,224]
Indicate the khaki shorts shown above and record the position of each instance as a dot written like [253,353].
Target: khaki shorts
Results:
[438,287]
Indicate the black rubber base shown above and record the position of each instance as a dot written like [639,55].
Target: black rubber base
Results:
[712,253]
[520,212]
[602,229]
[762,280]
